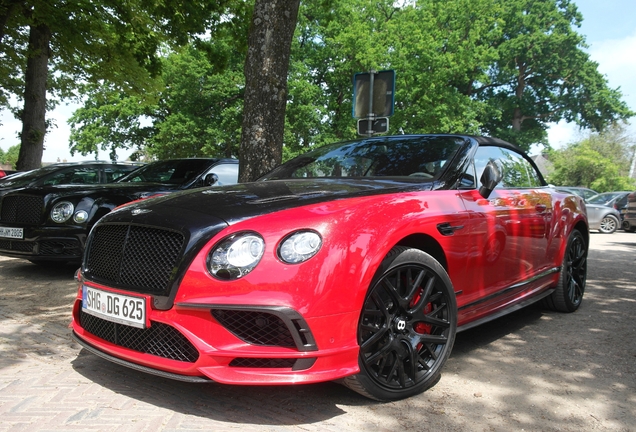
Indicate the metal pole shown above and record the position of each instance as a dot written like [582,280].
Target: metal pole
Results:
[371,116]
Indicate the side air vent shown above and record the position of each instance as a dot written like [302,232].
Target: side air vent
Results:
[447,229]
[267,326]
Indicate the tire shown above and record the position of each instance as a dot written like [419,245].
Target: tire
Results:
[569,291]
[407,327]
[628,227]
[609,224]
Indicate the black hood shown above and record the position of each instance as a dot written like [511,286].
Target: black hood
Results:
[242,201]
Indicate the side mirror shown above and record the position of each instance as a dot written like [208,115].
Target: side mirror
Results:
[490,178]
[210,179]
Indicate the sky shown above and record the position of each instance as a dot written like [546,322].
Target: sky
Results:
[608,26]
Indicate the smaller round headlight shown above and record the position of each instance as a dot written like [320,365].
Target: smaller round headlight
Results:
[80,216]
[299,247]
[62,211]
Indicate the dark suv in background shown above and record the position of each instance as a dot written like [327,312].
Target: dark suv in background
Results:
[629,217]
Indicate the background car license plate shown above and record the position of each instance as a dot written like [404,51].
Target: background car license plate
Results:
[114,307]
[17,233]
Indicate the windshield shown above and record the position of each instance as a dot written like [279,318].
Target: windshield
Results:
[410,156]
[602,199]
[174,172]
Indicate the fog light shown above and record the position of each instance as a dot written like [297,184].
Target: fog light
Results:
[80,216]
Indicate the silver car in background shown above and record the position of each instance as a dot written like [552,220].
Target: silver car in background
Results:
[601,215]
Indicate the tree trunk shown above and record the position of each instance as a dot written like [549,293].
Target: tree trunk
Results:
[34,114]
[266,67]
[6,10]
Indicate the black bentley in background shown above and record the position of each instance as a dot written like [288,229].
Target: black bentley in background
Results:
[48,223]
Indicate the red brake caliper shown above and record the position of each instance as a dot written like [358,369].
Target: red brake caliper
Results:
[421,327]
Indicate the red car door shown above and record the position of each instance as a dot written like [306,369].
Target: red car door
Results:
[509,231]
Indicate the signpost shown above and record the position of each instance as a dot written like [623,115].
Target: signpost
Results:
[373,101]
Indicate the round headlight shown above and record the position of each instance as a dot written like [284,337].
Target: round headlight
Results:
[236,256]
[80,216]
[62,211]
[299,247]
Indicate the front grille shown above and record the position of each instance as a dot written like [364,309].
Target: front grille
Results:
[255,327]
[17,246]
[60,247]
[22,209]
[159,339]
[136,257]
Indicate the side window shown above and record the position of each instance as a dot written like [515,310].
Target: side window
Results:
[113,173]
[74,175]
[517,171]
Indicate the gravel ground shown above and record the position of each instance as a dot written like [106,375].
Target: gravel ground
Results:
[533,370]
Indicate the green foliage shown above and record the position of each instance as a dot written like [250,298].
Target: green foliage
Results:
[114,43]
[10,157]
[542,75]
[600,162]
[505,68]
[194,110]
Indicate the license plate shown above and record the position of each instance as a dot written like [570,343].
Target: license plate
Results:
[16,233]
[118,308]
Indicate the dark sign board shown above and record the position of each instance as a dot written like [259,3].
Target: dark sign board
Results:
[375,126]
[382,92]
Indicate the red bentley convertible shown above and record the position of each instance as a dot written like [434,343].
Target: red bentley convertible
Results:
[357,262]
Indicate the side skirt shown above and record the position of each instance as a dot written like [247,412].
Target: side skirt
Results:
[513,307]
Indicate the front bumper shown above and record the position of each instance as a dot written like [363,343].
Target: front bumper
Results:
[189,344]
[46,244]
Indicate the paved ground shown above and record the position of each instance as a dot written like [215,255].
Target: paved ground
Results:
[533,370]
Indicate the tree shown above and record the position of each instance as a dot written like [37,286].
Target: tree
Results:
[435,47]
[61,45]
[266,67]
[542,74]
[10,157]
[195,111]
[601,162]
[457,62]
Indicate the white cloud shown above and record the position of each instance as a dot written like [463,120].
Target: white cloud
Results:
[617,61]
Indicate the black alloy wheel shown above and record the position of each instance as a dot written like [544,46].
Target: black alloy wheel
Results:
[571,286]
[407,327]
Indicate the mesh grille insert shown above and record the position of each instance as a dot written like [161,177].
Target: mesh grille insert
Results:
[258,328]
[159,339]
[60,247]
[263,362]
[24,209]
[138,257]
[18,246]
